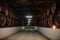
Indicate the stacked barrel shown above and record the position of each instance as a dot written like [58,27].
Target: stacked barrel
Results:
[57,17]
[5,16]
[2,16]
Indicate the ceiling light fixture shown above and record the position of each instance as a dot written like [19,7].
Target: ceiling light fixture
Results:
[28,17]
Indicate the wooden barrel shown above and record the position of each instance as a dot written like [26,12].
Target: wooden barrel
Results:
[2,17]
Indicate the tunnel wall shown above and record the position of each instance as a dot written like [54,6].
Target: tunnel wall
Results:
[4,32]
[53,34]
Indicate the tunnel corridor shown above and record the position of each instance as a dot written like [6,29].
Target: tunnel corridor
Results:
[29,20]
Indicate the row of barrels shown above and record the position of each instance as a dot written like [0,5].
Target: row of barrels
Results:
[5,16]
[8,18]
[49,18]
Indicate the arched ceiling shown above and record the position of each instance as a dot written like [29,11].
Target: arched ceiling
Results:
[27,7]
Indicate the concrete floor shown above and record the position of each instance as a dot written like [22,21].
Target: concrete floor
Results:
[26,35]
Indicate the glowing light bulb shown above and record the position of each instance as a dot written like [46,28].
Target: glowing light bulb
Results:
[54,26]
